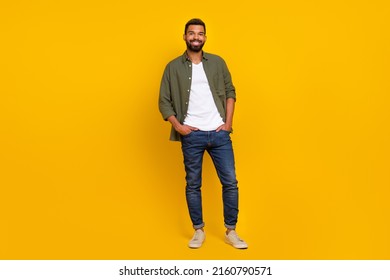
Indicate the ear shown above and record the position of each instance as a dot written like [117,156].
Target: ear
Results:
[184,37]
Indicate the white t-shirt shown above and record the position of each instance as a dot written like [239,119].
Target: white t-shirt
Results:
[202,112]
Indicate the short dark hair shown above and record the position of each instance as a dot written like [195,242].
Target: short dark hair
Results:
[195,21]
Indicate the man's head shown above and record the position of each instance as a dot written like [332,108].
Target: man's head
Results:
[195,34]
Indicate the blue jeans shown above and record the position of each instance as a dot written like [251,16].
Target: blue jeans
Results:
[219,147]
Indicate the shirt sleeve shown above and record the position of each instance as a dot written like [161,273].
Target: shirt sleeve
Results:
[229,87]
[165,99]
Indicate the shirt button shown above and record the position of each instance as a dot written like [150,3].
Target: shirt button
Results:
[189,78]
[189,65]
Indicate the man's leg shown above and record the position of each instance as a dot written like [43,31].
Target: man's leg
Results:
[221,152]
[193,151]
[193,148]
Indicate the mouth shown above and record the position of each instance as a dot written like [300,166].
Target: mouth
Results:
[196,43]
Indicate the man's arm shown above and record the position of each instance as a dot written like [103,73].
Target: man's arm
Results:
[230,102]
[181,128]
[164,101]
[230,99]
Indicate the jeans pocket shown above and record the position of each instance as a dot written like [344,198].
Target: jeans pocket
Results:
[187,135]
[185,139]
[224,136]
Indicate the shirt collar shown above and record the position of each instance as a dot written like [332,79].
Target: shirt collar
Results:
[186,58]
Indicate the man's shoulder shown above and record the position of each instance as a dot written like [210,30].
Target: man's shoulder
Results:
[178,60]
[213,57]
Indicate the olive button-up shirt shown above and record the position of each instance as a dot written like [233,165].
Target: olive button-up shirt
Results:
[176,87]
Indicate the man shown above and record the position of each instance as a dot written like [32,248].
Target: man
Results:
[197,97]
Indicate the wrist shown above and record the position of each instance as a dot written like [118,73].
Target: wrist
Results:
[177,126]
[228,125]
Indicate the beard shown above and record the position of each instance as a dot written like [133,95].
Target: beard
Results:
[193,48]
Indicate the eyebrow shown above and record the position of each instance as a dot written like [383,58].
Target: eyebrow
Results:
[190,31]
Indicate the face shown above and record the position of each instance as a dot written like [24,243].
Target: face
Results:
[195,38]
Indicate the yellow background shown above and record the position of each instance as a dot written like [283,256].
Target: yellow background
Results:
[87,171]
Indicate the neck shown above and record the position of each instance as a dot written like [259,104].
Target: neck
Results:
[195,57]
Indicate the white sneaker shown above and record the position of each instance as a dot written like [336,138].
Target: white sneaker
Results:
[233,239]
[197,240]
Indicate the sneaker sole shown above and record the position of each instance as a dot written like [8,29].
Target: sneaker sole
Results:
[196,246]
[242,247]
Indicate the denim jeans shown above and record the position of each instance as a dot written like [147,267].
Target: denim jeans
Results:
[219,147]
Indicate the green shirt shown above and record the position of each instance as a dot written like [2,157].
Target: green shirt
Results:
[176,86]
